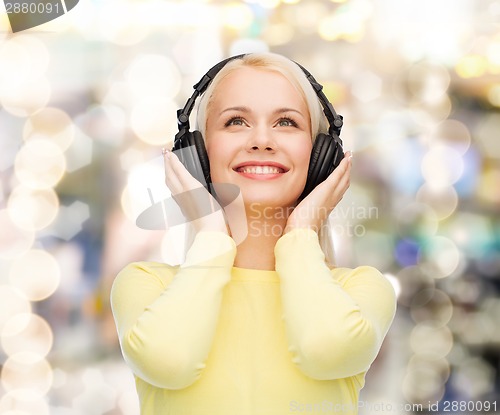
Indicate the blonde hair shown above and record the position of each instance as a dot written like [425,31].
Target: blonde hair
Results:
[270,62]
[296,76]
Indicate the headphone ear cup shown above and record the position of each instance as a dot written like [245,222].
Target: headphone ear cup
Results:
[314,165]
[199,144]
[190,148]
[333,155]
[337,154]
[326,155]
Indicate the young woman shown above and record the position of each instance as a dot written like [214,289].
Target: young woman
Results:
[265,326]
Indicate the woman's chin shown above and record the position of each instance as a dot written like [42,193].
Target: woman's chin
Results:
[261,201]
[263,194]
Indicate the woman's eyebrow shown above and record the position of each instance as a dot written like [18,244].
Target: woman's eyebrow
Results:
[240,109]
[286,109]
[247,110]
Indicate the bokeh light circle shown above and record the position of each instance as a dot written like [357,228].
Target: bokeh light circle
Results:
[422,385]
[278,34]
[153,76]
[29,97]
[440,257]
[471,66]
[442,166]
[124,28]
[431,306]
[27,372]
[428,82]
[24,401]
[237,16]
[427,339]
[494,95]
[32,210]
[154,120]
[40,164]
[417,220]
[13,302]
[26,332]
[438,111]
[16,66]
[306,15]
[52,123]
[439,365]
[473,233]
[486,135]
[14,241]
[454,134]
[474,328]
[442,200]
[37,53]
[36,273]
[413,280]
[24,58]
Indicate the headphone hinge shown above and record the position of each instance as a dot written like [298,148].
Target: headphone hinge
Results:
[202,84]
[315,84]
[182,119]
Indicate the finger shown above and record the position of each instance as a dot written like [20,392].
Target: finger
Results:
[178,175]
[345,172]
[343,184]
[339,181]
[344,176]
[328,189]
[171,179]
[185,178]
[342,169]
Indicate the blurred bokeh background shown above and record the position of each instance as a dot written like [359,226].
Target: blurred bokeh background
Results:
[88,100]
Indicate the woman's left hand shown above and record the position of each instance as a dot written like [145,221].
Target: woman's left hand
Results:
[312,211]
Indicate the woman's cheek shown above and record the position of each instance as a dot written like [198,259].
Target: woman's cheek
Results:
[219,162]
[304,155]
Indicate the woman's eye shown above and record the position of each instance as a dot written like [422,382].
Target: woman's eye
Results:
[287,122]
[235,121]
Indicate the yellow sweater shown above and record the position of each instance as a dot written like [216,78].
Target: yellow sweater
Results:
[207,338]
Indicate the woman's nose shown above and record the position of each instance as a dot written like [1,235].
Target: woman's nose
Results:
[261,139]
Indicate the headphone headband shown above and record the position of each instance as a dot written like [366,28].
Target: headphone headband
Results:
[335,120]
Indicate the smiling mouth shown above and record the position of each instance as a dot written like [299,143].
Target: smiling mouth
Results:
[260,170]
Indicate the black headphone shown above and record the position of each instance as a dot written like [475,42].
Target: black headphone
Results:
[326,153]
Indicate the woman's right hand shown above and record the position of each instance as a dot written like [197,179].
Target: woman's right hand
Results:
[196,203]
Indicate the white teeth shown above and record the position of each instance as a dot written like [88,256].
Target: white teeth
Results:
[260,170]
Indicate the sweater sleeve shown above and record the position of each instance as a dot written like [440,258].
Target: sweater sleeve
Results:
[336,319]
[166,317]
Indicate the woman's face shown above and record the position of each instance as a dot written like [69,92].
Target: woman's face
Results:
[258,136]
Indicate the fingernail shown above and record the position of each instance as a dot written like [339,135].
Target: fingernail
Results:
[350,154]
[165,152]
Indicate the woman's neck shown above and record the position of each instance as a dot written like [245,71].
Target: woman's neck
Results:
[264,228]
